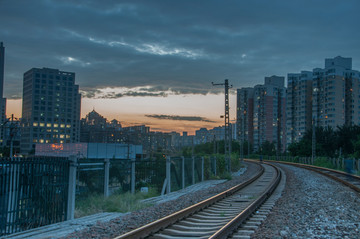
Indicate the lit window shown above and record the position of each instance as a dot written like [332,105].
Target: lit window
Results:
[62,125]
[42,124]
[48,125]
[35,124]
[56,125]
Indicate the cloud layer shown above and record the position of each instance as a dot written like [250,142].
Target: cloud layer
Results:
[179,46]
[180,118]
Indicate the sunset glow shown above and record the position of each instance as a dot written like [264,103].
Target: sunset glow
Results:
[137,111]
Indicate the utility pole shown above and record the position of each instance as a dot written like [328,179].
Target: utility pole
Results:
[227,124]
[279,118]
[13,131]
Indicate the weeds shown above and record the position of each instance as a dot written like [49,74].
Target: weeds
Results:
[125,202]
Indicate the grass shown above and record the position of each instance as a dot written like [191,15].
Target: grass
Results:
[125,202]
[324,162]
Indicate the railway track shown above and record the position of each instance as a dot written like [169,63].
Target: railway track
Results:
[218,216]
[350,180]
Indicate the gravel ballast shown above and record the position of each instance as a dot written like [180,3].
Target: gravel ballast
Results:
[142,217]
[312,206]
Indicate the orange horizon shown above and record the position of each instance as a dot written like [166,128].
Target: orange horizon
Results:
[127,117]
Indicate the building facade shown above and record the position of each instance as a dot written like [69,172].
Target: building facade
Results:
[50,108]
[244,114]
[298,105]
[336,93]
[261,113]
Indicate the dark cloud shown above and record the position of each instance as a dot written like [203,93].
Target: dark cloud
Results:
[181,46]
[113,95]
[181,118]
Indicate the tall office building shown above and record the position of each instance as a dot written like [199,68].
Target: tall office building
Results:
[336,93]
[261,113]
[51,108]
[298,105]
[2,99]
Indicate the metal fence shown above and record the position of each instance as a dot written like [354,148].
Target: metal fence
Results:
[347,164]
[33,192]
[40,191]
[126,175]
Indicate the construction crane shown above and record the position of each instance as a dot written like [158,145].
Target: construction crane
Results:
[227,124]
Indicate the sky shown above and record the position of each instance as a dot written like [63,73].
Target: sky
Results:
[152,61]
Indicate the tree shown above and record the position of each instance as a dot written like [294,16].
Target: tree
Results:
[267,148]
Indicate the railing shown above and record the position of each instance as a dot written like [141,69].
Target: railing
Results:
[33,192]
[40,191]
[97,176]
[350,165]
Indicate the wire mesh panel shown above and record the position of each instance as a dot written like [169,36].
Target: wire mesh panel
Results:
[208,168]
[33,192]
[188,171]
[120,175]
[150,173]
[176,169]
[90,177]
[197,169]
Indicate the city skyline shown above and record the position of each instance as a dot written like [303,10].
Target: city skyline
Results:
[153,62]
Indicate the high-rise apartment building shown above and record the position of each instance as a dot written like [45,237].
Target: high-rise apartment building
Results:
[269,113]
[51,108]
[298,105]
[261,113]
[336,93]
[244,114]
[2,99]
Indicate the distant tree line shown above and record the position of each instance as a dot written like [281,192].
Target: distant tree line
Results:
[342,141]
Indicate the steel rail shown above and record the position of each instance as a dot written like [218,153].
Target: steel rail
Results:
[232,225]
[321,170]
[164,222]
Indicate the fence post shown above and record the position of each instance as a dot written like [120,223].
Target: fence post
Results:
[133,176]
[215,166]
[193,169]
[168,174]
[353,165]
[183,172]
[72,188]
[202,169]
[106,177]
[12,202]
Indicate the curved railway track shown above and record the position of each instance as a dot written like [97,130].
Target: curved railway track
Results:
[218,216]
[350,180]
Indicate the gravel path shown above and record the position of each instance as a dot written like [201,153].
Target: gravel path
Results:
[312,206]
[138,218]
